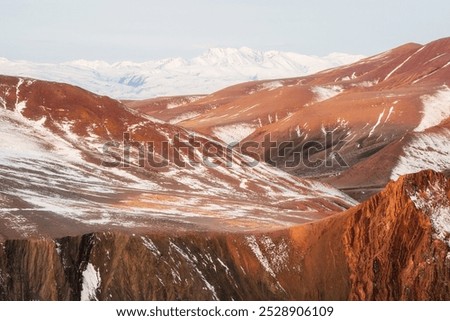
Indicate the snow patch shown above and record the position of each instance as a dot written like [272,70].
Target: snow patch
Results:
[20,107]
[66,127]
[234,133]
[3,102]
[253,244]
[58,247]
[269,86]
[243,183]
[148,243]
[367,83]
[326,92]
[91,283]
[403,63]
[391,110]
[184,117]
[297,131]
[174,105]
[277,253]
[436,108]
[192,260]
[377,123]
[424,151]
[223,265]
[435,203]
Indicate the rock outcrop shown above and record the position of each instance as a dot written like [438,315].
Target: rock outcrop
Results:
[397,243]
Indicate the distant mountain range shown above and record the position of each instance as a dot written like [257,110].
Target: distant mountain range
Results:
[213,70]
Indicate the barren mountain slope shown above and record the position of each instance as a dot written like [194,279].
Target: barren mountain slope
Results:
[65,171]
[380,114]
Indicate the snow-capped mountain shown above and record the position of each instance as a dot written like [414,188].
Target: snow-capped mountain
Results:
[213,70]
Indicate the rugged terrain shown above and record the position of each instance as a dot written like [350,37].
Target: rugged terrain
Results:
[395,246]
[139,200]
[382,115]
[70,162]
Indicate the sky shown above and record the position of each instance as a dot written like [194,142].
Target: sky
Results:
[140,30]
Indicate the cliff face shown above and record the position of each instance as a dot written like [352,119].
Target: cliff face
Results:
[396,243]
[393,246]
[117,266]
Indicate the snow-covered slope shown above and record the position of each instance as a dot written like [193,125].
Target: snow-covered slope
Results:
[429,145]
[215,69]
[57,154]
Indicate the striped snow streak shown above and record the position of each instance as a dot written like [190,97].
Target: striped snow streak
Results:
[403,63]
[377,123]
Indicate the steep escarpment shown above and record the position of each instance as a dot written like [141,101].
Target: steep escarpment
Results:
[118,266]
[395,246]
[396,243]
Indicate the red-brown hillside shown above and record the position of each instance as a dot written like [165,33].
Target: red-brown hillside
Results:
[381,112]
[166,108]
[54,181]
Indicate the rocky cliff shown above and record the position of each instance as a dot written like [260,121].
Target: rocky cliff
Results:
[395,246]
[397,243]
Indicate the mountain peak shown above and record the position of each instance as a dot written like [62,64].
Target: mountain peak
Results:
[232,56]
[211,71]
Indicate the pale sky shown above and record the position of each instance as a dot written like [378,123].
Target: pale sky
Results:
[140,30]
